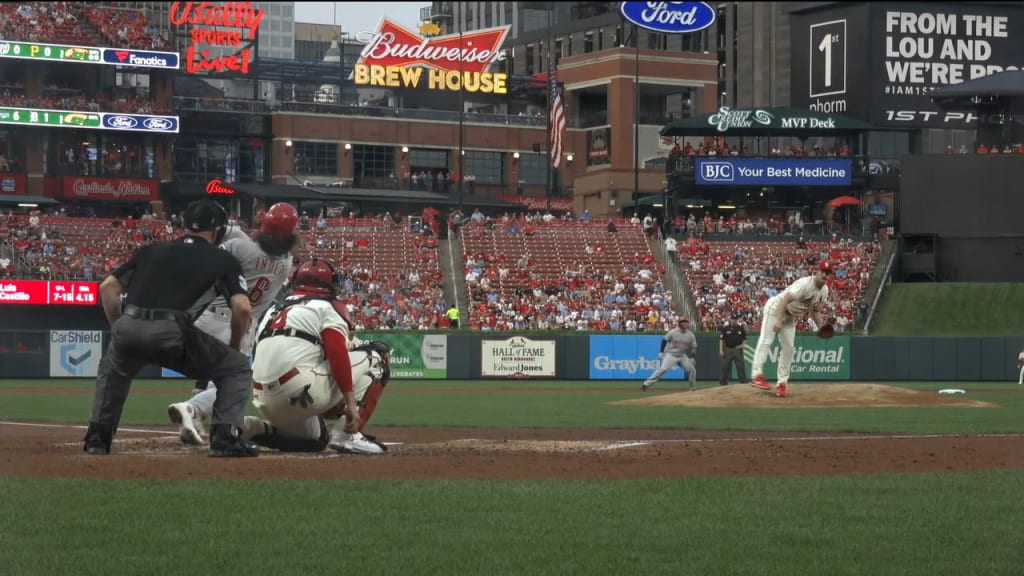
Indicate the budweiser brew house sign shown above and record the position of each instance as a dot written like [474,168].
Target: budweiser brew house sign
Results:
[233,24]
[395,57]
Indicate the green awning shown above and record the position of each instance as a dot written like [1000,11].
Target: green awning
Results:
[14,199]
[766,122]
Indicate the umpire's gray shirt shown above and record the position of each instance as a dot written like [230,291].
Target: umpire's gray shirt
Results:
[680,342]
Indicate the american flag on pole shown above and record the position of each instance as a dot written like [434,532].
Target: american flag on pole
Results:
[557,115]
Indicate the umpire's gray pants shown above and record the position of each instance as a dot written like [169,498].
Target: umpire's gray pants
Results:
[668,362]
[136,343]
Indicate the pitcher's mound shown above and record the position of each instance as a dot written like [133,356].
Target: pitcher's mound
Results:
[807,395]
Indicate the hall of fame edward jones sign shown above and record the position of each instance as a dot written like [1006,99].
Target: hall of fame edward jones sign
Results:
[517,357]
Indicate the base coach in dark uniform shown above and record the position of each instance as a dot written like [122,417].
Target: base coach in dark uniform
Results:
[731,338]
[168,285]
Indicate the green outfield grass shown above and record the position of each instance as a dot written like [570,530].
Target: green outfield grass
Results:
[920,524]
[951,309]
[440,403]
[926,525]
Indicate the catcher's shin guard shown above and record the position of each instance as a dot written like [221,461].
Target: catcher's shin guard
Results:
[271,439]
[369,402]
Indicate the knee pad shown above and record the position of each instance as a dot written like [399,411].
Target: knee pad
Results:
[285,444]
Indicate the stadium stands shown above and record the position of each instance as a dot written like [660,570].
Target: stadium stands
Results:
[738,277]
[79,23]
[573,275]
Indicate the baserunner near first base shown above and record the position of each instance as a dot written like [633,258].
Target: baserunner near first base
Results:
[168,285]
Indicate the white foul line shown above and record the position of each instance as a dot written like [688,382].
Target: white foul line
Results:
[616,444]
[78,427]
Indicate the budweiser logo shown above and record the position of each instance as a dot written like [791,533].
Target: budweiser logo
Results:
[393,45]
[217,187]
[111,188]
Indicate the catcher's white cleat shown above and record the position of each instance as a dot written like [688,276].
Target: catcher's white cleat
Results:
[189,428]
[353,444]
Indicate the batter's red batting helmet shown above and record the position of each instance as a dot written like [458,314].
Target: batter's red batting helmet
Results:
[280,221]
[314,278]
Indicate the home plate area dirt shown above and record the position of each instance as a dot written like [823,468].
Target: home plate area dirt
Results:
[55,450]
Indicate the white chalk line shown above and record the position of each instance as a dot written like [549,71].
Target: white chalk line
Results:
[620,444]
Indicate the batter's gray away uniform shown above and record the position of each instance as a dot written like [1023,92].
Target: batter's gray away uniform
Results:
[680,347]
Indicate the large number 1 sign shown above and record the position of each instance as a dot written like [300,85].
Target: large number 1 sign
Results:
[828,58]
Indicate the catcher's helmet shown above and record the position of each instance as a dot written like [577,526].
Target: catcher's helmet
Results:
[314,278]
[280,221]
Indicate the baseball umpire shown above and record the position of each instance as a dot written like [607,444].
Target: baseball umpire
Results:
[168,284]
[731,338]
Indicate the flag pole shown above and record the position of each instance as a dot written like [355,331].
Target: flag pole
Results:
[550,131]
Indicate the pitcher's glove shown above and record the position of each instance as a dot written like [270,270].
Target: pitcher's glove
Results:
[827,330]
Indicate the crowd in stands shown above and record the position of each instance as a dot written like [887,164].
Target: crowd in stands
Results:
[983,149]
[535,271]
[738,277]
[531,271]
[76,23]
[114,101]
[719,147]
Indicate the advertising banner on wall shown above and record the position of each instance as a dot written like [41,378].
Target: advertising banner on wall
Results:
[599,146]
[415,355]
[517,357]
[122,189]
[774,172]
[75,353]
[897,54]
[813,358]
[12,184]
[627,358]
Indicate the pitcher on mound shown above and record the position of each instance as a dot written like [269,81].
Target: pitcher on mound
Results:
[808,295]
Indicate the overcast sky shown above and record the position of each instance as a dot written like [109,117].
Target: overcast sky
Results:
[354,17]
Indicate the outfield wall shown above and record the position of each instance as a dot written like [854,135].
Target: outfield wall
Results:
[75,353]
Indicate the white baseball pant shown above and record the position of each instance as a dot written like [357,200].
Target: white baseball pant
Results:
[787,341]
[1020,379]
[667,363]
[299,419]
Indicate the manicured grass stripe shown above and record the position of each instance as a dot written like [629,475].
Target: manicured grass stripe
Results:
[982,309]
[926,525]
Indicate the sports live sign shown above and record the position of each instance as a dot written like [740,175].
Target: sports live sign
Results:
[47,292]
[207,20]
[395,57]
[122,189]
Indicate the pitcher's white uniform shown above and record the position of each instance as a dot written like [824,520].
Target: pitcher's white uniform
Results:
[292,379]
[264,275]
[807,297]
[1020,364]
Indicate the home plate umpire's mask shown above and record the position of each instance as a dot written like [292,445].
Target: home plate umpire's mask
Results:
[205,215]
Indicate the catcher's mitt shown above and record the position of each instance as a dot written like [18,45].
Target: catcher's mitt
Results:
[826,331]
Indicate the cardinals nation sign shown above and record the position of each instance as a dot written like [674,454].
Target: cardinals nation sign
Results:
[395,57]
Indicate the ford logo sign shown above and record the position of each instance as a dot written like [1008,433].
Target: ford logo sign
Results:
[158,124]
[122,122]
[670,17]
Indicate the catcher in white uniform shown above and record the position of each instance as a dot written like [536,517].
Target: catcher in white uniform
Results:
[808,295]
[309,367]
[266,263]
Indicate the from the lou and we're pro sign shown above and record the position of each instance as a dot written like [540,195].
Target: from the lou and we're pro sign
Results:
[774,172]
[628,358]
[75,353]
[813,358]
[669,17]
[517,357]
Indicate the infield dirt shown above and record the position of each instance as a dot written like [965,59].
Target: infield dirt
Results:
[800,395]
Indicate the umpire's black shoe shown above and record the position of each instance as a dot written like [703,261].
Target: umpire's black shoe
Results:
[226,442]
[98,439]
